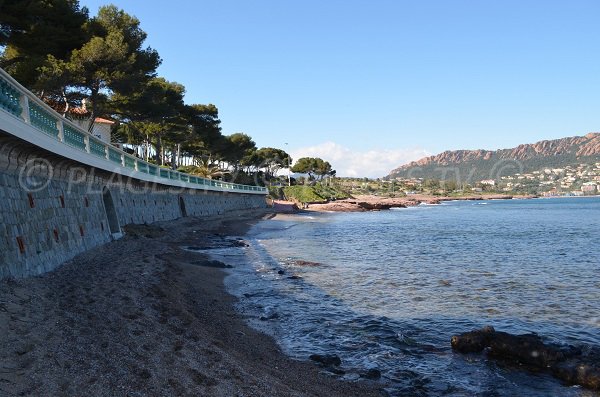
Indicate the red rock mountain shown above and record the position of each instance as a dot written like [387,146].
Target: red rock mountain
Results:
[526,157]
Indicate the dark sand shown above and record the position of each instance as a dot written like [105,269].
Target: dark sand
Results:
[136,318]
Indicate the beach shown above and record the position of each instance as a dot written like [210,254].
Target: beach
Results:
[143,316]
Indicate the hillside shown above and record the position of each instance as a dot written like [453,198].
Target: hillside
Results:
[475,165]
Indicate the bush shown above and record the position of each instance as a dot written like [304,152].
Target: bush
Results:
[313,194]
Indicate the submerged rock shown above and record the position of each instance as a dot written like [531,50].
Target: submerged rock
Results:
[327,360]
[373,374]
[238,243]
[307,263]
[268,317]
[565,363]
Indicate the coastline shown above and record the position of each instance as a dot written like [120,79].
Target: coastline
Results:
[362,203]
[142,316]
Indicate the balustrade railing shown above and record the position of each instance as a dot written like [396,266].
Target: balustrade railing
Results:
[19,102]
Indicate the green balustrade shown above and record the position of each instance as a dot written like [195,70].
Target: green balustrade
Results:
[74,138]
[142,166]
[10,98]
[114,156]
[42,120]
[46,121]
[129,162]
[98,148]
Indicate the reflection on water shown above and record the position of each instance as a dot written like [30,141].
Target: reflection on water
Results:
[395,285]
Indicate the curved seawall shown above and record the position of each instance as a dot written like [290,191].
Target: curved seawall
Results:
[62,191]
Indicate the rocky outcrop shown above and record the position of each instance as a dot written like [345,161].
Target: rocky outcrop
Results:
[485,162]
[568,364]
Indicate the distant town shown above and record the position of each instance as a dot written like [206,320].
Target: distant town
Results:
[580,180]
[571,180]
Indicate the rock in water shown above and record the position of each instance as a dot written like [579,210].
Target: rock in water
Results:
[474,341]
[372,374]
[524,349]
[566,364]
[576,373]
[211,263]
[327,360]
[306,263]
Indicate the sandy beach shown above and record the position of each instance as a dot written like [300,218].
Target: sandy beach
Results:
[143,317]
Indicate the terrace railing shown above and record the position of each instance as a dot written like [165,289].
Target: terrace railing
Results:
[19,106]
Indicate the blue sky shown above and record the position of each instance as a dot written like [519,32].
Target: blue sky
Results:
[370,85]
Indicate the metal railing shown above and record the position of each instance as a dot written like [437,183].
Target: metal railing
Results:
[22,104]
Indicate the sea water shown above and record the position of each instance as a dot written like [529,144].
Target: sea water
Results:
[392,287]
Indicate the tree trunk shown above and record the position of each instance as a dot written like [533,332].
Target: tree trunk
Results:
[159,150]
[93,111]
[64,96]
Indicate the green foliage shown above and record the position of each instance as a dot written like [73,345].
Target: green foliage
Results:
[205,168]
[276,193]
[272,159]
[33,30]
[313,194]
[303,194]
[236,147]
[312,165]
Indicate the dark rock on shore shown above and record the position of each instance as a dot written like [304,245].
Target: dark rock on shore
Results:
[372,374]
[565,363]
[238,243]
[327,360]
[211,263]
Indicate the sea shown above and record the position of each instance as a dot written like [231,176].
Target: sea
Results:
[389,289]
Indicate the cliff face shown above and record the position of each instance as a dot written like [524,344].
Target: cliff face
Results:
[558,152]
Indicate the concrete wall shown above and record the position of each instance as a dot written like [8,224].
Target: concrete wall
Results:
[52,208]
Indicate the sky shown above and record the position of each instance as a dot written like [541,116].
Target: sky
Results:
[372,84]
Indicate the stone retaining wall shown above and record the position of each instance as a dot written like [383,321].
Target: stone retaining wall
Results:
[52,208]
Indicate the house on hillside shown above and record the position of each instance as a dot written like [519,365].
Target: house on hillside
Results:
[589,188]
[81,117]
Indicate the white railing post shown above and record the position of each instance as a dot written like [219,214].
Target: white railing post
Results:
[25,108]
[86,140]
[61,131]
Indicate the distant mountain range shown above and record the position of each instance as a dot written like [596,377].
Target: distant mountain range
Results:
[475,165]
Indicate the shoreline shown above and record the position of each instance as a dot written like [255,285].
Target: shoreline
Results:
[362,203]
[142,316]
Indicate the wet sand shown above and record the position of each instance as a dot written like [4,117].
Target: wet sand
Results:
[142,317]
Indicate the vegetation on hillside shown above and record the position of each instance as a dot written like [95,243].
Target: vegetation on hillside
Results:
[471,166]
[318,193]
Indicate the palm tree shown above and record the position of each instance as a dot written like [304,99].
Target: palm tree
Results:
[205,167]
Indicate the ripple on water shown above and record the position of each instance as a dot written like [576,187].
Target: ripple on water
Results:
[399,283]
